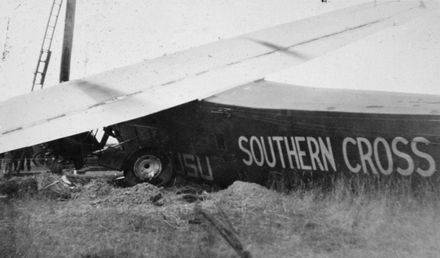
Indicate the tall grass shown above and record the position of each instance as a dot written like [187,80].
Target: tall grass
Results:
[349,218]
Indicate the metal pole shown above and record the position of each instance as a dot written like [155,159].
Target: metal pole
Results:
[67,40]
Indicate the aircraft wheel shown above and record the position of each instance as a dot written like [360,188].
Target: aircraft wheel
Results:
[149,166]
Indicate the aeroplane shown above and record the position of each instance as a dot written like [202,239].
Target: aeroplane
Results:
[208,113]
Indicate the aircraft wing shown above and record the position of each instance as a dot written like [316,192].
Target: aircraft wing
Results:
[274,95]
[142,89]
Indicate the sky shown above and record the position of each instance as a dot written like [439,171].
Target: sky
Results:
[115,33]
[398,59]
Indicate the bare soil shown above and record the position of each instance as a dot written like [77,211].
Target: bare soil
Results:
[100,218]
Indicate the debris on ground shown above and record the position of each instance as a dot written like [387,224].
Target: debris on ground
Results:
[55,186]
[99,191]
[45,184]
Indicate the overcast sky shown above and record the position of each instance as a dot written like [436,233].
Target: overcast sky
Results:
[114,33]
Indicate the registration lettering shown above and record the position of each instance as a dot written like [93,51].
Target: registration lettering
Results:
[193,166]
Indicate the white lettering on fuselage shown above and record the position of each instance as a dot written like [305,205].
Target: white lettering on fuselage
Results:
[194,166]
[359,154]
[305,153]
[371,151]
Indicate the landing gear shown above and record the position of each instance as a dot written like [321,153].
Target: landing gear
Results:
[149,166]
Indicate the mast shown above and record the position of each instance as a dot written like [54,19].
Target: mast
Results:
[67,40]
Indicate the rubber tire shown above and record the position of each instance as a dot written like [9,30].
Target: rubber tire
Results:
[165,176]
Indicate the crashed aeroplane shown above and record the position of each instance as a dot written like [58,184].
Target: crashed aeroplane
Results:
[208,113]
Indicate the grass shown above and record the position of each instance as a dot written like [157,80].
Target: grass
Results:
[342,221]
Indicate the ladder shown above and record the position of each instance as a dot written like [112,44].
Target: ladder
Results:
[45,53]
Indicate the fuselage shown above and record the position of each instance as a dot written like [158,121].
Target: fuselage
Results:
[218,142]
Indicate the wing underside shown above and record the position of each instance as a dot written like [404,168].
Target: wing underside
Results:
[149,87]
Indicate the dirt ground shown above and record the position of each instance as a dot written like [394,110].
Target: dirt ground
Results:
[100,217]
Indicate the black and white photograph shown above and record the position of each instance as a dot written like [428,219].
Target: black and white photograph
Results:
[219,128]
